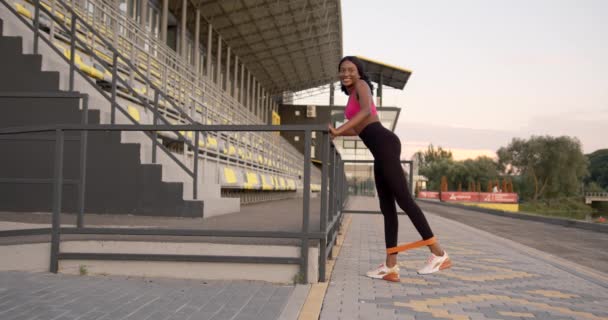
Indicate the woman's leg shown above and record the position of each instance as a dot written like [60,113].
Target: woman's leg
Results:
[393,175]
[389,211]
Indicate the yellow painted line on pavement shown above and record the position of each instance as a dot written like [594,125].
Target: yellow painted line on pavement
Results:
[312,306]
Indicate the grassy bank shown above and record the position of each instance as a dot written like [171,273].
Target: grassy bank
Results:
[572,208]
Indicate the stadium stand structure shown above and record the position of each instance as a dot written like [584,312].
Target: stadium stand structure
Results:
[136,64]
[250,167]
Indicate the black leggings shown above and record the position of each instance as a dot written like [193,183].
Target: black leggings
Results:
[391,183]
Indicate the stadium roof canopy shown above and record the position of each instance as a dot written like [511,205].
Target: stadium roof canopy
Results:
[288,45]
[392,76]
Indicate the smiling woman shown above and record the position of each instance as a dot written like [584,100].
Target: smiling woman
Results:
[389,177]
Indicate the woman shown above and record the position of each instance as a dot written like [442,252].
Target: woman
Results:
[388,173]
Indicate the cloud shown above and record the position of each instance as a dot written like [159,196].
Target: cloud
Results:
[452,137]
[589,126]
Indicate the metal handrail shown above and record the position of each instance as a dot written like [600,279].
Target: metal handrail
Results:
[331,209]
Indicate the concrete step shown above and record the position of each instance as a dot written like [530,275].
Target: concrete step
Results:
[34,257]
[30,82]
[10,46]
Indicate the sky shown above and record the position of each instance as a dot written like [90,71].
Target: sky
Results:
[486,71]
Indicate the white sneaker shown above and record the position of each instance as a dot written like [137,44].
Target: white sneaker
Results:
[435,263]
[385,273]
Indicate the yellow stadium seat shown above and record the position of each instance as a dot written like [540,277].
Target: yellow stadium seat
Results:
[231,150]
[252,181]
[134,113]
[23,10]
[267,183]
[292,184]
[57,13]
[211,142]
[229,175]
[91,71]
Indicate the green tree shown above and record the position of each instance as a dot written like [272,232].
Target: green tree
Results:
[434,171]
[553,166]
[431,155]
[598,169]
[435,163]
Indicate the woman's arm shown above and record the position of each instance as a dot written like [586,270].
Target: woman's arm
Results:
[334,133]
[365,102]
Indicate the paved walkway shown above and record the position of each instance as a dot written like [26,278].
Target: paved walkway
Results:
[492,278]
[47,296]
[586,247]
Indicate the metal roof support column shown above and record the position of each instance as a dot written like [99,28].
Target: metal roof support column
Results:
[266,108]
[235,77]
[218,66]
[252,95]
[263,106]
[115,25]
[242,85]
[253,85]
[183,43]
[248,92]
[209,45]
[259,102]
[269,112]
[227,74]
[257,99]
[197,37]
[331,94]
[144,15]
[164,17]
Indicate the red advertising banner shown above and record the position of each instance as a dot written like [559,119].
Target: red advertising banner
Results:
[501,197]
[460,196]
[428,195]
[498,197]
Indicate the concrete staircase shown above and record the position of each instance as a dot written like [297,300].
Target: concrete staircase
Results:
[208,188]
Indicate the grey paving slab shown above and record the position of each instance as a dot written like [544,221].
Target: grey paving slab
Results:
[56,296]
[492,278]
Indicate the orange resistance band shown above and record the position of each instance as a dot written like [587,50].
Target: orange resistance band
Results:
[411,245]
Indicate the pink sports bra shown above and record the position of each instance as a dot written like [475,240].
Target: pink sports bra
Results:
[353,106]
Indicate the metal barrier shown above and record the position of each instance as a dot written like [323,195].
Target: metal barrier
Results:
[333,196]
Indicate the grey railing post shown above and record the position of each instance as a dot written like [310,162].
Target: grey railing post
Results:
[155,134]
[36,24]
[343,186]
[72,50]
[195,176]
[306,207]
[324,190]
[114,75]
[57,194]
[332,181]
[83,161]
